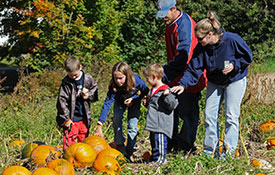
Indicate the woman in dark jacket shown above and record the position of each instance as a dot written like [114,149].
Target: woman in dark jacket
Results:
[226,58]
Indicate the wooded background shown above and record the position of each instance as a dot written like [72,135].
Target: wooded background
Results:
[42,33]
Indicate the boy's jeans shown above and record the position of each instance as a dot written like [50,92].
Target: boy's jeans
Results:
[132,130]
[232,95]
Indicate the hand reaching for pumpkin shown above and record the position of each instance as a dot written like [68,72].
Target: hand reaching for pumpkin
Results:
[98,131]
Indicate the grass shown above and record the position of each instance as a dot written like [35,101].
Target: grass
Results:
[265,66]
[29,114]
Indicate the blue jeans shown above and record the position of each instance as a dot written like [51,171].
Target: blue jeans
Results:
[188,111]
[232,95]
[132,130]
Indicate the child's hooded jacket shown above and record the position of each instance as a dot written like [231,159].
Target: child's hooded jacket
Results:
[160,117]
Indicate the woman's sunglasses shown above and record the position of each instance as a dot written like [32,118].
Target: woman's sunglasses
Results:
[201,38]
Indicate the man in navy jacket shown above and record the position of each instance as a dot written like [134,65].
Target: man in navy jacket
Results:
[180,43]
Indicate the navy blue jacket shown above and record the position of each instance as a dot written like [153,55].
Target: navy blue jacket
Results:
[232,48]
[111,95]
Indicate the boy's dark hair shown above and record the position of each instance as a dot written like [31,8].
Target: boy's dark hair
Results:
[72,64]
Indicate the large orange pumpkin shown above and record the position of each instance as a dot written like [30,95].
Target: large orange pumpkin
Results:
[44,153]
[16,170]
[62,167]
[106,163]
[44,171]
[97,143]
[267,126]
[113,153]
[26,151]
[80,154]
[17,143]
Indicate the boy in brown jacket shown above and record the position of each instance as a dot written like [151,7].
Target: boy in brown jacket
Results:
[78,89]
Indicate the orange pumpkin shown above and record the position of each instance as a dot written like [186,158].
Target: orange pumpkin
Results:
[80,154]
[97,143]
[17,143]
[237,153]
[111,152]
[106,163]
[147,155]
[267,126]
[16,170]
[270,143]
[44,171]
[62,167]
[220,146]
[26,151]
[257,163]
[43,153]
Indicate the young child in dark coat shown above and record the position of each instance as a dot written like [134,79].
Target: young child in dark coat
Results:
[161,104]
[78,89]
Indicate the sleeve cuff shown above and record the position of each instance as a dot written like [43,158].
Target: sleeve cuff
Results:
[99,123]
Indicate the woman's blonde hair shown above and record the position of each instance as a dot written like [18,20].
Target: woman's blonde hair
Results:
[153,69]
[125,69]
[209,24]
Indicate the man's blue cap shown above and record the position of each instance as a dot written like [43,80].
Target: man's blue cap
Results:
[164,6]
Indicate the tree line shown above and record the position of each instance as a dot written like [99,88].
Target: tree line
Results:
[42,33]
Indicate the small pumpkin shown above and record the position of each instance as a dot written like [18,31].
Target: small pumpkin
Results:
[107,163]
[260,163]
[270,143]
[80,154]
[220,146]
[112,153]
[267,126]
[26,151]
[43,153]
[62,167]
[147,155]
[97,143]
[257,163]
[44,171]
[17,143]
[237,153]
[16,170]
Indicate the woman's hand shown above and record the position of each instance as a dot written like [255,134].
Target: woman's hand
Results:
[177,89]
[228,69]
[128,102]
[98,131]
